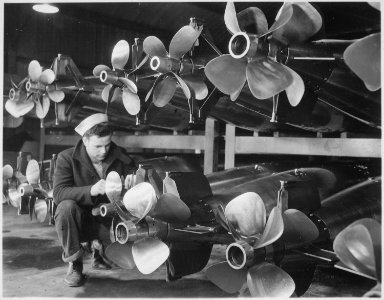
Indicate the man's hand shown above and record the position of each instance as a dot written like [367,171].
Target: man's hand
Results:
[98,188]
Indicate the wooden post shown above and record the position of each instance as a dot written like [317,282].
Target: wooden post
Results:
[210,147]
[230,144]
[42,144]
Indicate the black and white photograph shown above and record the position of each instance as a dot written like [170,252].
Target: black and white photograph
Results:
[191,149]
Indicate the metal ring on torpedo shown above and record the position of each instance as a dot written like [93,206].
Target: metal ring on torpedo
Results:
[28,85]
[239,45]
[103,210]
[103,76]
[123,231]
[239,255]
[155,63]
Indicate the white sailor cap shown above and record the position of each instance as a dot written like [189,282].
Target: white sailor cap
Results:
[89,122]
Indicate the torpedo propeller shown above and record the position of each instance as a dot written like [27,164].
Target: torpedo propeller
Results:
[358,247]
[144,250]
[38,205]
[252,57]
[245,217]
[173,68]
[42,89]
[117,80]
[18,103]
[364,59]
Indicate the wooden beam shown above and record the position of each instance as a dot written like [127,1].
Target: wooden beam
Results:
[348,147]
[182,142]
[211,152]
[191,142]
[230,146]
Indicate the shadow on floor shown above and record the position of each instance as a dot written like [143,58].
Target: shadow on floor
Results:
[186,288]
[20,253]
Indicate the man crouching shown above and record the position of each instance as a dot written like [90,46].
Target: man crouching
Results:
[79,186]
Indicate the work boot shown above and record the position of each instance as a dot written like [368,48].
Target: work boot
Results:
[98,262]
[75,275]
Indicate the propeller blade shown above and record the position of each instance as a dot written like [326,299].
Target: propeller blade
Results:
[273,229]
[226,73]
[283,16]
[7,172]
[131,102]
[253,18]
[121,255]
[359,247]
[18,109]
[375,5]
[129,84]
[268,280]
[235,94]
[247,213]
[169,186]
[197,85]
[149,254]
[129,181]
[183,41]
[363,58]
[374,292]
[230,18]
[34,70]
[33,172]
[41,210]
[14,197]
[304,23]
[183,86]
[20,177]
[171,209]
[14,85]
[99,68]
[164,91]
[296,89]
[120,55]
[154,47]
[47,77]
[42,107]
[140,199]
[221,218]
[113,186]
[140,175]
[226,278]
[105,93]
[267,78]
[55,95]
[298,228]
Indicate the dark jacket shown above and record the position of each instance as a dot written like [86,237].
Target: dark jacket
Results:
[74,174]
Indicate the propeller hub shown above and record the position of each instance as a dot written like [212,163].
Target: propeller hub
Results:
[28,86]
[34,87]
[164,64]
[242,44]
[127,231]
[239,255]
[26,190]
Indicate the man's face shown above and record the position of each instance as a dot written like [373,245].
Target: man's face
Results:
[97,147]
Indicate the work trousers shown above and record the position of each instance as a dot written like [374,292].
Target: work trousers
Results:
[75,225]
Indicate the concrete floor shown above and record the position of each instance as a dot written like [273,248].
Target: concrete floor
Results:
[32,267]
